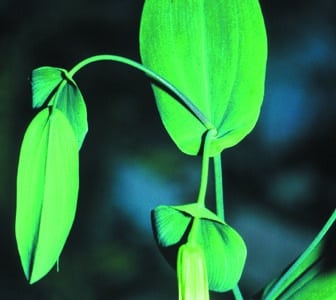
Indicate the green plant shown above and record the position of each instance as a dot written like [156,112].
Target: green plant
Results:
[207,62]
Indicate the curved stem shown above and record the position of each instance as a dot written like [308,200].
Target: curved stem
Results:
[181,97]
[219,186]
[205,166]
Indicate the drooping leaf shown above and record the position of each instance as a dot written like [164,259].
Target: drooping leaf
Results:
[215,53]
[47,188]
[169,225]
[198,211]
[61,91]
[225,254]
[312,275]
[224,249]
[70,101]
[45,80]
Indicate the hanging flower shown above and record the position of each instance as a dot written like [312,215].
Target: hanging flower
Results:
[223,248]
[192,273]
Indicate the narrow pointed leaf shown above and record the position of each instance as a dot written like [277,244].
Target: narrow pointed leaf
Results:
[215,53]
[47,188]
[313,273]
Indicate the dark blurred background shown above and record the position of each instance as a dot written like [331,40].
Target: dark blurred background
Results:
[279,182]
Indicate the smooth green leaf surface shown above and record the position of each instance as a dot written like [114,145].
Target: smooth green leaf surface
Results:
[47,188]
[215,53]
[225,254]
[61,91]
[312,275]
[69,100]
[224,249]
[45,80]
[198,211]
[169,225]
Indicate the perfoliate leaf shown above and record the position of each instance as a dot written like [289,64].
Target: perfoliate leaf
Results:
[225,254]
[214,52]
[61,91]
[198,211]
[169,225]
[224,249]
[45,80]
[47,188]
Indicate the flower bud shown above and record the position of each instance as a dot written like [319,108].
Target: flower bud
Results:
[192,273]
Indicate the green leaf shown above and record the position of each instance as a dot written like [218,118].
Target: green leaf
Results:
[215,53]
[198,211]
[47,188]
[57,87]
[224,249]
[225,254]
[45,81]
[313,273]
[69,100]
[169,225]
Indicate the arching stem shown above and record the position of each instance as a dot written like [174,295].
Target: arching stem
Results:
[157,78]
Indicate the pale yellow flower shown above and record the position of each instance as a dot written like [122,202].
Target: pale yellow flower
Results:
[192,273]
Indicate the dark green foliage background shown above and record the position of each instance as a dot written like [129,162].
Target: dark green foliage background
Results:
[288,185]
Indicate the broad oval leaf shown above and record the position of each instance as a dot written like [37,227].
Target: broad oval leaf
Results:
[224,249]
[225,254]
[60,90]
[47,188]
[215,53]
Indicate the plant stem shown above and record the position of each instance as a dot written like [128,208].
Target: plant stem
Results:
[278,286]
[205,166]
[219,186]
[157,78]
[220,205]
[237,294]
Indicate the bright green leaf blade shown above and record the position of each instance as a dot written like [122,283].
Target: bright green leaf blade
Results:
[45,81]
[69,100]
[61,91]
[47,188]
[312,275]
[169,225]
[225,254]
[215,53]
[322,286]
[224,249]
[198,211]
